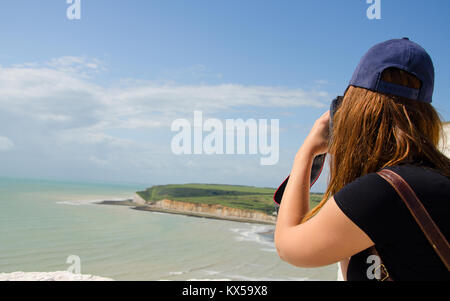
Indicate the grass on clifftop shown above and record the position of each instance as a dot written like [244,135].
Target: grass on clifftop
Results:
[234,196]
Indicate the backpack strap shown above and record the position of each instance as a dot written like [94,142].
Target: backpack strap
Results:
[420,214]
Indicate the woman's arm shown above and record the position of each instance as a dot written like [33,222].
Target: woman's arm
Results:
[330,236]
[291,213]
[297,188]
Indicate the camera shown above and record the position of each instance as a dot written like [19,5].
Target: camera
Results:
[318,162]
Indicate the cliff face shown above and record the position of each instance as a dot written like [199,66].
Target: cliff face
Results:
[214,210]
[138,200]
[445,142]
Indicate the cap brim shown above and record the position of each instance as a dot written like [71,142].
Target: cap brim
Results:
[316,170]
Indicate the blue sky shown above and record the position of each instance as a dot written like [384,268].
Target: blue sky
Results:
[77,98]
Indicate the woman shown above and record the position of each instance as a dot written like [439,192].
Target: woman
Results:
[385,120]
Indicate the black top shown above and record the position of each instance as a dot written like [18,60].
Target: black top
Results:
[376,208]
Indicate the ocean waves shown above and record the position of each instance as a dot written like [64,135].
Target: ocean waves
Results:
[260,234]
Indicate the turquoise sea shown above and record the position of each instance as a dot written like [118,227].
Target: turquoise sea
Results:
[43,222]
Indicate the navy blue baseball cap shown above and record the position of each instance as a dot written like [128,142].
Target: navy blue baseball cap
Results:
[398,53]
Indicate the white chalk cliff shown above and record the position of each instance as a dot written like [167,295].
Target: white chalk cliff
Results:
[445,143]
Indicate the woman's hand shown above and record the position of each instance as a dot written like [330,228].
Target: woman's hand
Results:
[316,142]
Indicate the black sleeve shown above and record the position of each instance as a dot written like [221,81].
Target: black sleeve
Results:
[370,202]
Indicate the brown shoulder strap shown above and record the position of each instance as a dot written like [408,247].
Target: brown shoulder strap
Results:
[420,214]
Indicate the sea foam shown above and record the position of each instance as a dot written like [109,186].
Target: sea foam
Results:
[51,276]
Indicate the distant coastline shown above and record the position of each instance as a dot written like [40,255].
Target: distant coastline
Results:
[224,202]
[154,208]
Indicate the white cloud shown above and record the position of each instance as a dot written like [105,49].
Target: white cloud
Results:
[57,110]
[54,117]
[58,91]
[99,162]
[80,66]
[6,144]
[321,82]
[158,97]
[92,138]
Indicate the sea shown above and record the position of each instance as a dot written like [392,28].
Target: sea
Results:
[45,224]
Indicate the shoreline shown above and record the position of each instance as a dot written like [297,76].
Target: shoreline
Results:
[152,208]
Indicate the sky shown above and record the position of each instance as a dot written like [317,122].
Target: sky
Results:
[94,99]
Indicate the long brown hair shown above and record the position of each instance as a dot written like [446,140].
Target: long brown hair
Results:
[372,131]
